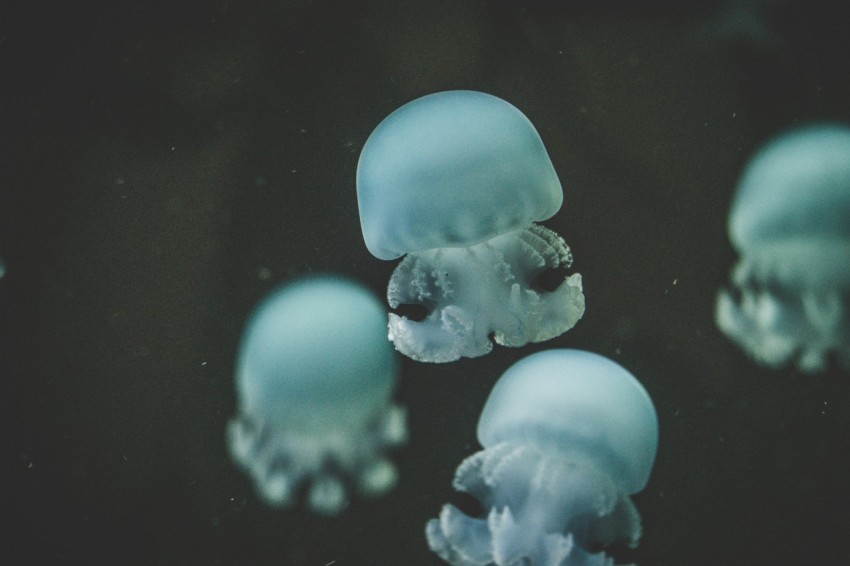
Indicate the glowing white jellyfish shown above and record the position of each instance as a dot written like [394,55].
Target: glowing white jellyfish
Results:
[790,222]
[314,380]
[567,436]
[456,180]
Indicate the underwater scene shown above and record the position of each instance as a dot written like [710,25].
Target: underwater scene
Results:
[478,283]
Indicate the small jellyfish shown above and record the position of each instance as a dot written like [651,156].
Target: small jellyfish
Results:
[790,223]
[314,380]
[456,180]
[567,436]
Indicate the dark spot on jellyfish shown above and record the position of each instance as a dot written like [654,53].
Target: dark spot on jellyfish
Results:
[607,535]
[280,464]
[736,292]
[416,313]
[261,436]
[549,279]
[467,504]
[619,551]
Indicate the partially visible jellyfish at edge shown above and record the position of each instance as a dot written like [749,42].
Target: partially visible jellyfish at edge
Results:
[568,435]
[315,376]
[790,223]
[456,180]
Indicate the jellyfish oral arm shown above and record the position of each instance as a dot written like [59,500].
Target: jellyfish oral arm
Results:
[552,520]
[486,289]
[282,461]
[790,303]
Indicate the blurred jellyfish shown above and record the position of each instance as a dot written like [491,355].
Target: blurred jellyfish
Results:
[790,222]
[456,180]
[314,380]
[567,436]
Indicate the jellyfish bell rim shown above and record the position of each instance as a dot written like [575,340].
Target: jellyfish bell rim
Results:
[612,425]
[477,167]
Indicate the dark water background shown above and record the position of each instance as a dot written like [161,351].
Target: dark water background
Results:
[163,165]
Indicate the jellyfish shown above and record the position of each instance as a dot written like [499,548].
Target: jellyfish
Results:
[568,435]
[456,181]
[790,223]
[314,380]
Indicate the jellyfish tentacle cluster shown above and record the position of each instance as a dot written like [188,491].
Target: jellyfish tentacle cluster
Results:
[537,520]
[777,317]
[567,436]
[460,300]
[790,222]
[457,181]
[281,462]
[310,421]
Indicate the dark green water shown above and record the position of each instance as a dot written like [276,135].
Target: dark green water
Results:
[164,165]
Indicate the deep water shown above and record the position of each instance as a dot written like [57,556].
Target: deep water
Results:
[164,165]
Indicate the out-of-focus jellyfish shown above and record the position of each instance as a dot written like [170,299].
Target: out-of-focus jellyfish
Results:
[790,222]
[456,180]
[567,436]
[314,380]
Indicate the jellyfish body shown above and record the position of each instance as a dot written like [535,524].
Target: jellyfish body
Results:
[568,436]
[456,180]
[314,380]
[790,223]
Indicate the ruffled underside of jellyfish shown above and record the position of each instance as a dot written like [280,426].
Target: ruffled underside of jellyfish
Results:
[485,290]
[540,509]
[327,464]
[789,304]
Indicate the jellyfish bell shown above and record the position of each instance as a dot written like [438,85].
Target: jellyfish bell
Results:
[314,381]
[440,171]
[790,223]
[456,181]
[568,435]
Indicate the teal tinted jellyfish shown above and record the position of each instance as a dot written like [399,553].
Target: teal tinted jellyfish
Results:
[456,181]
[790,223]
[315,376]
[568,435]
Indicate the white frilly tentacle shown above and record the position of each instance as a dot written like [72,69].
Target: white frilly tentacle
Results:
[482,291]
[542,509]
